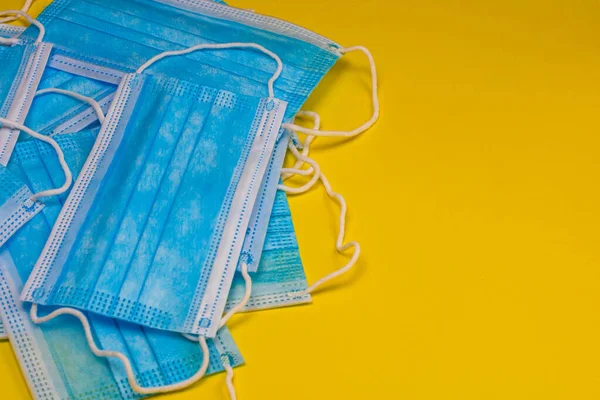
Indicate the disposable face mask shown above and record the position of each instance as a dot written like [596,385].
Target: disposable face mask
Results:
[185,165]
[55,115]
[56,359]
[311,55]
[123,34]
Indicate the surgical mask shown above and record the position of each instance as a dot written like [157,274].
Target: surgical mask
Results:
[59,350]
[123,34]
[70,115]
[185,165]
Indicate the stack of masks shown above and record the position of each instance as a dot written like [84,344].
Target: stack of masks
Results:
[141,150]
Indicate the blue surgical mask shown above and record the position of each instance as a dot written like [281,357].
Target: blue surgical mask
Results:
[182,165]
[123,34]
[59,350]
[97,82]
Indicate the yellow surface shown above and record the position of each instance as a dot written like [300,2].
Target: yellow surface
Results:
[476,200]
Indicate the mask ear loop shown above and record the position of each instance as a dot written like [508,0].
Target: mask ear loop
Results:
[115,354]
[270,86]
[59,152]
[52,142]
[33,21]
[295,170]
[218,46]
[374,99]
[229,377]
[340,246]
[79,315]
[238,307]
[24,9]
[93,103]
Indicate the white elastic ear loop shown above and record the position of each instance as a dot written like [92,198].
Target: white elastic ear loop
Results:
[109,353]
[238,307]
[25,8]
[374,97]
[242,303]
[217,47]
[340,246]
[287,173]
[59,152]
[315,170]
[29,19]
[77,96]
[229,377]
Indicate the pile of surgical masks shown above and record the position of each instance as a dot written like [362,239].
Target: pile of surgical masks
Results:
[143,198]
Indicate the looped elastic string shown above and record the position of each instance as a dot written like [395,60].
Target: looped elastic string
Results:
[234,45]
[229,377]
[242,303]
[314,169]
[115,354]
[59,152]
[374,97]
[77,96]
[31,20]
[340,246]
[295,170]
[24,9]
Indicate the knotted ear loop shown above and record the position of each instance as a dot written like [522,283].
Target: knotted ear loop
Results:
[317,175]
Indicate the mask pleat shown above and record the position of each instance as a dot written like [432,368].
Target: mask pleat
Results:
[146,28]
[64,107]
[82,372]
[231,75]
[98,232]
[130,33]
[140,203]
[54,78]
[197,208]
[178,25]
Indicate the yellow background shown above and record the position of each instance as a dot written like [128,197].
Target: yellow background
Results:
[476,199]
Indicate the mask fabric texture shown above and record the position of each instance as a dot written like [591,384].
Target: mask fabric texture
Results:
[179,197]
[54,114]
[124,34]
[22,68]
[15,210]
[55,358]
